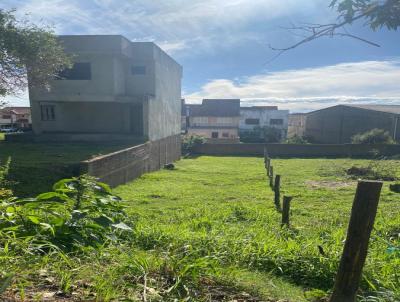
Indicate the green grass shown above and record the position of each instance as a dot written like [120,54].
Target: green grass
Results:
[209,230]
[1,136]
[223,206]
[36,166]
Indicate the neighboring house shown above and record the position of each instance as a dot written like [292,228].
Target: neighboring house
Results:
[256,117]
[16,117]
[297,124]
[215,119]
[339,123]
[184,117]
[115,89]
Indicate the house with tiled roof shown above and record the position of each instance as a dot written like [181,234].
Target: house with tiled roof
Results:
[215,119]
[15,117]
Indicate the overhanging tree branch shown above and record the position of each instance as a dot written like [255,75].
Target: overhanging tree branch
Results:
[377,14]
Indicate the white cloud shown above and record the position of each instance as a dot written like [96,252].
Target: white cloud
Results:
[312,88]
[202,25]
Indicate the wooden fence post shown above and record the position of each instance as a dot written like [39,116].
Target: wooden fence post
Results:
[362,219]
[277,190]
[267,165]
[271,177]
[286,210]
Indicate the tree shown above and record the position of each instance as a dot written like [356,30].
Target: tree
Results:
[375,13]
[374,136]
[26,50]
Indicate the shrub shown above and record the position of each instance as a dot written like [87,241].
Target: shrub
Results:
[79,212]
[374,136]
[299,140]
[5,184]
[261,135]
[189,142]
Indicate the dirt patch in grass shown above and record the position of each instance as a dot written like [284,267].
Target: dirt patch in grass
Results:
[328,184]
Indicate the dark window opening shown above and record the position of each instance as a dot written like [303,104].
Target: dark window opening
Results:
[225,134]
[47,112]
[138,70]
[6,117]
[79,71]
[276,121]
[252,121]
[214,134]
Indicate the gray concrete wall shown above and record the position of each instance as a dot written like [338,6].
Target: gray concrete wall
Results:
[85,117]
[339,123]
[288,150]
[165,108]
[142,54]
[128,164]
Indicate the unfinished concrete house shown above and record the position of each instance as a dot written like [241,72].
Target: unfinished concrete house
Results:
[115,88]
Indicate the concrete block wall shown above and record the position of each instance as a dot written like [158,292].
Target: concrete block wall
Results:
[289,150]
[128,164]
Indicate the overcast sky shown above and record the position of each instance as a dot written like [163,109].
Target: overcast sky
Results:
[223,48]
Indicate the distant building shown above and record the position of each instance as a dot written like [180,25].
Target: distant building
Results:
[339,123]
[256,117]
[184,117]
[215,119]
[116,88]
[16,117]
[297,124]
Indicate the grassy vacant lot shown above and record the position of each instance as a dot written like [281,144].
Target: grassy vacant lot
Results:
[36,166]
[209,231]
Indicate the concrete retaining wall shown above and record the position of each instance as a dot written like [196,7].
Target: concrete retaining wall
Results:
[288,150]
[125,165]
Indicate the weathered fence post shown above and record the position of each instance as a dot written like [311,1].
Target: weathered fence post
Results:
[271,177]
[277,190]
[267,165]
[362,219]
[286,210]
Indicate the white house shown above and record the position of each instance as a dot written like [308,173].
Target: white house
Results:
[262,117]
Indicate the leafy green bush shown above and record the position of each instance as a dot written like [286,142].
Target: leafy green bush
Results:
[190,142]
[374,136]
[79,212]
[297,140]
[5,184]
[261,135]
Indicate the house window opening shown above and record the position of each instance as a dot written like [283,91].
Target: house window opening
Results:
[79,71]
[252,121]
[276,121]
[47,112]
